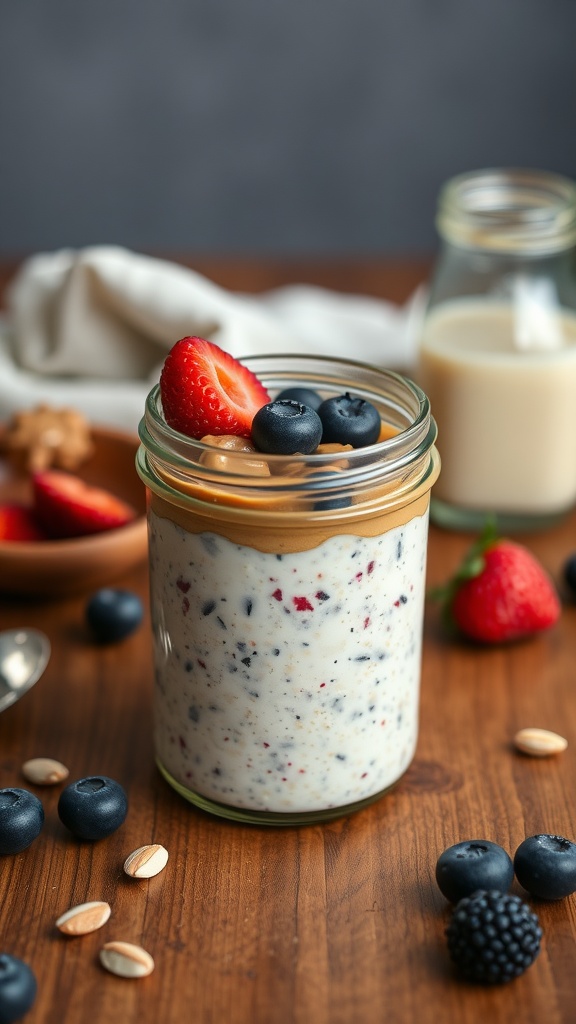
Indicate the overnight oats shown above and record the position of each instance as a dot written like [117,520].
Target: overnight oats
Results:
[287,595]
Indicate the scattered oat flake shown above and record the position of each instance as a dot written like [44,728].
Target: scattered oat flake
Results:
[146,861]
[44,771]
[539,742]
[126,960]
[84,918]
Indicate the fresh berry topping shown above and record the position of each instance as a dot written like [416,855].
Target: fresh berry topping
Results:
[306,396]
[286,428]
[349,420]
[113,614]
[500,593]
[468,866]
[206,391]
[493,937]
[570,574]
[93,808]
[21,820]
[66,506]
[17,988]
[17,522]
[545,866]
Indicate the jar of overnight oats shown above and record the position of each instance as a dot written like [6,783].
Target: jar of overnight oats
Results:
[287,598]
[498,349]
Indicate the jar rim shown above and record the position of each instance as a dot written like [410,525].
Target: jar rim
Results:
[515,210]
[403,457]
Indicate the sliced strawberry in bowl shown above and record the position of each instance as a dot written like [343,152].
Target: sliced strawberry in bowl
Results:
[66,506]
[205,390]
[18,523]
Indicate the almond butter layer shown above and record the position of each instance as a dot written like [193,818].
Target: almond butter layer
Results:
[286,531]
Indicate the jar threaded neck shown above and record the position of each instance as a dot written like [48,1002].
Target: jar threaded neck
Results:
[515,211]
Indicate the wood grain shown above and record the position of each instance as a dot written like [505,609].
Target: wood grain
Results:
[331,924]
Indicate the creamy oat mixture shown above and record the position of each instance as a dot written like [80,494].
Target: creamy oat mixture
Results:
[287,682]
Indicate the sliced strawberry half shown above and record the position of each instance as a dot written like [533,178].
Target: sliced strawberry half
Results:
[207,391]
[66,506]
[17,522]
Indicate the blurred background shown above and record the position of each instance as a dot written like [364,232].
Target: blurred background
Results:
[248,127]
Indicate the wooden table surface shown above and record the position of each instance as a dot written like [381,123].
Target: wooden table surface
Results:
[326,924]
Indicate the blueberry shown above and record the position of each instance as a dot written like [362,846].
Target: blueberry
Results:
[21,819]
[93,808]
[303,395]
[333,500]
[285,428]
[570,574]
[476,864]
[113,614]
[17,988]
[545,866]
[331,504]
[349,420]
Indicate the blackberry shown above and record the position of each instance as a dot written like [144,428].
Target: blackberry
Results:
[493,937]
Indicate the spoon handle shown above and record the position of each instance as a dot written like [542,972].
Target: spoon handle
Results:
[7,695]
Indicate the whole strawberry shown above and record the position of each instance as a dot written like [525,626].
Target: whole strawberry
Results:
[500,593]
[205,390]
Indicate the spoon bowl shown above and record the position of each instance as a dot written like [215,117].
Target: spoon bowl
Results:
[24,654]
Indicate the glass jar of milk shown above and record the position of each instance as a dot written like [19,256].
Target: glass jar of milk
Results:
[498,349]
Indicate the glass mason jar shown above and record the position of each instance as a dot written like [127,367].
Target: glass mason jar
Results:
[498,349]
[287,601]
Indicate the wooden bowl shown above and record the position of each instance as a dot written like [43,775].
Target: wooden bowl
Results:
[55,568]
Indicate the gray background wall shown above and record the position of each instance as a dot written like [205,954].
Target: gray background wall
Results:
[261,126]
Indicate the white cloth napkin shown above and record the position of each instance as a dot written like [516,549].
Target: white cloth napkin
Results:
[91,328]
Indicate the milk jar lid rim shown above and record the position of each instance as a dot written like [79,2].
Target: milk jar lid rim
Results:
[516,210]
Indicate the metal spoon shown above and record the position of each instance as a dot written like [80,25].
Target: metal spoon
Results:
[24,654]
